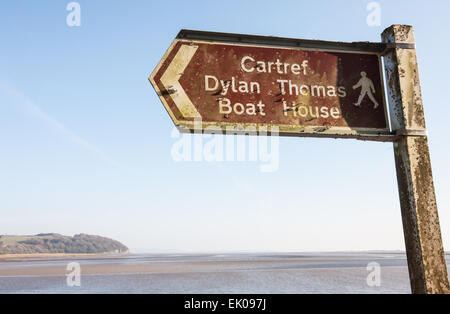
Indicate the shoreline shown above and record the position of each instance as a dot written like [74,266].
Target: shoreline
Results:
[176,265]
[203,274]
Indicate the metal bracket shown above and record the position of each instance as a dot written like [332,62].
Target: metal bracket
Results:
[391,46]
[422,133]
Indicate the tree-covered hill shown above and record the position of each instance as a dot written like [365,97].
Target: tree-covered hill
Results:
[56,243]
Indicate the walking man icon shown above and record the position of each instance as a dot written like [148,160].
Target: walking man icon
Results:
[367,87]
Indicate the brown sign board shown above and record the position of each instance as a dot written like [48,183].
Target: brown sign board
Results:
[226,83]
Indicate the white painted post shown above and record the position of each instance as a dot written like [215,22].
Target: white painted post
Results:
[424,249]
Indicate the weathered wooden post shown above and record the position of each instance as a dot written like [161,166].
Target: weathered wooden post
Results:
[424,249]
[196,54]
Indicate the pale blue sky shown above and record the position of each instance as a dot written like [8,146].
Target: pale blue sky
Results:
[85,144]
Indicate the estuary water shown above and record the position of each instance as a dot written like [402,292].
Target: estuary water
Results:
[210,273]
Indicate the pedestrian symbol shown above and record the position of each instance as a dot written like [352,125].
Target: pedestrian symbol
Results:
[367,87]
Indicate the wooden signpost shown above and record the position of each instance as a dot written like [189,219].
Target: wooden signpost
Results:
[229,82]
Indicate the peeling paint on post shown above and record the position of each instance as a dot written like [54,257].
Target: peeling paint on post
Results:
[424,249]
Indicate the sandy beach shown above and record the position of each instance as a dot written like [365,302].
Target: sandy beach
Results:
[205,273]
[55,264]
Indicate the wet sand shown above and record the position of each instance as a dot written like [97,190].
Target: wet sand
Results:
[35,265]
[207,273]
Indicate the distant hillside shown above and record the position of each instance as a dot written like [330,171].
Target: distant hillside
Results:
[56,243]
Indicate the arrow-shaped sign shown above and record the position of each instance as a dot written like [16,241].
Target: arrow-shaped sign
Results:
[313,92]
[171,78]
